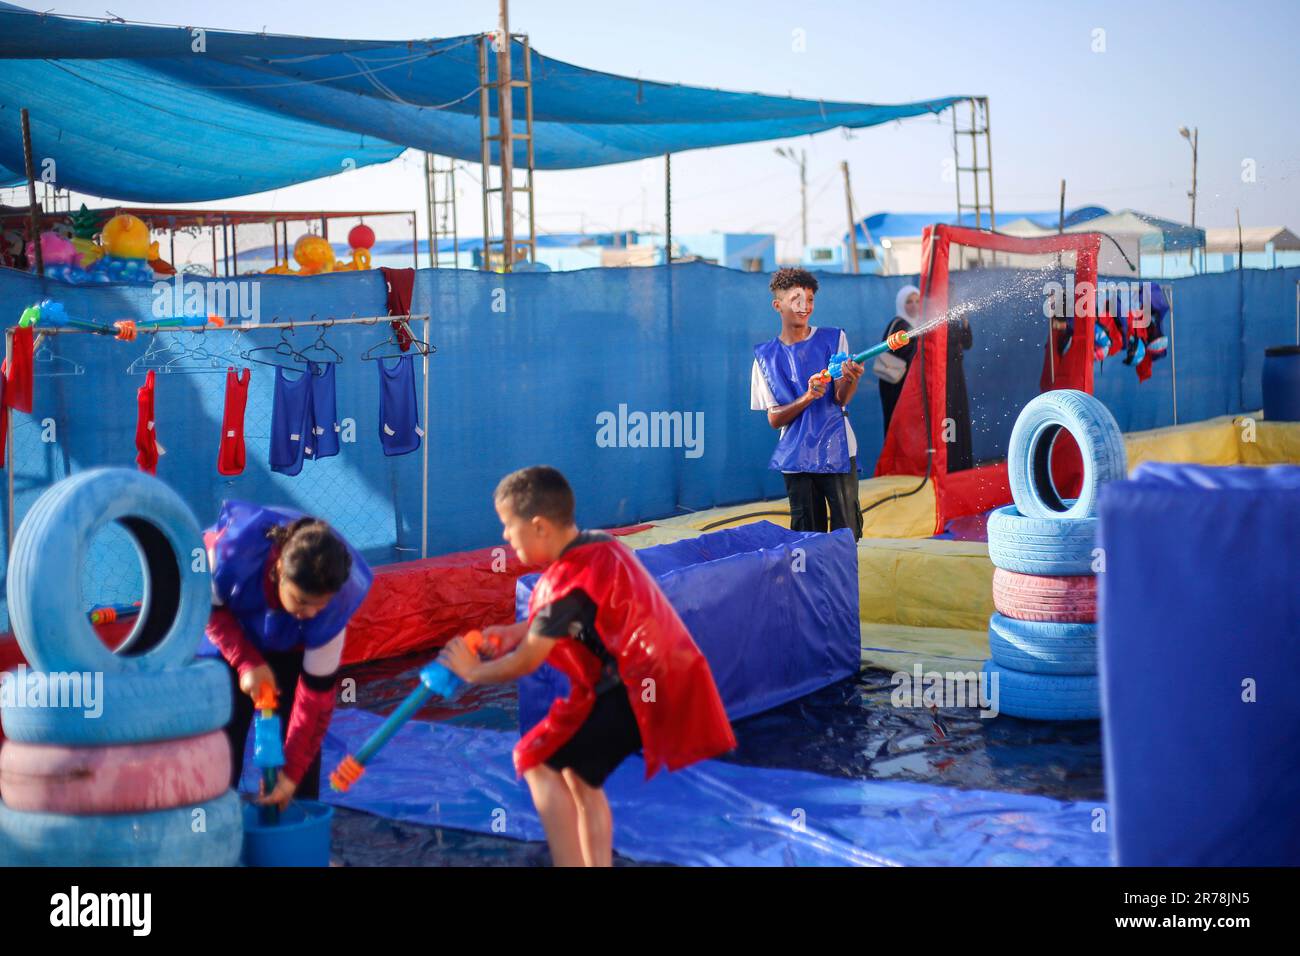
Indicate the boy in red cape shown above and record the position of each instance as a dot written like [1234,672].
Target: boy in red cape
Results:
[638,682]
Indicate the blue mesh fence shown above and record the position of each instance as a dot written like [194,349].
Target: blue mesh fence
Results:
[635,382]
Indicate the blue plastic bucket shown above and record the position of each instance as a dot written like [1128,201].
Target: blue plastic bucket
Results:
[1281,383]
[301,838]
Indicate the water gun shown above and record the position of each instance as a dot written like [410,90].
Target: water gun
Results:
[835,370]
[109,614]
[435,680]
[268,752]
[53,313]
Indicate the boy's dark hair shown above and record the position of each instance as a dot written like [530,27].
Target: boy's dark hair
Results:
[312,557]
[539,491]
[784,279]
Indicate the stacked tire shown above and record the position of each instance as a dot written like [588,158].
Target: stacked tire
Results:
[131,768]
[1043,636]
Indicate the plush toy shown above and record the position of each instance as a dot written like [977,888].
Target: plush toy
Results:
[127,251]
[314,255]
[58,255]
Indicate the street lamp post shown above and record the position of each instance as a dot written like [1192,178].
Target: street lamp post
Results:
[802,162]
[1191,138]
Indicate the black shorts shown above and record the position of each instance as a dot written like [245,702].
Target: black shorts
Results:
[606,738]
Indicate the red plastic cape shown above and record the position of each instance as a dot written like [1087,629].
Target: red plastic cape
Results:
[924,396]
[668,681]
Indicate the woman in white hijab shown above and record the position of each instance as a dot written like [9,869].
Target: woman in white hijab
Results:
[907,309]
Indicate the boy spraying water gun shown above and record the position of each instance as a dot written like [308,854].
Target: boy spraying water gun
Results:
[638,682]
[817,450]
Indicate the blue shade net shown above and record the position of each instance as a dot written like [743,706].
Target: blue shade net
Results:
[134,112]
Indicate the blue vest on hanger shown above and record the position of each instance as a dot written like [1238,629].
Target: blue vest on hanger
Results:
[399,413]
[817,440]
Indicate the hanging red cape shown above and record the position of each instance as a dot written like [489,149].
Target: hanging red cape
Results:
[666,678]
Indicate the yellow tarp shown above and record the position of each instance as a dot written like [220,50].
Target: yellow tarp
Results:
[925,583]
[1212,442]
[1275,443]
[904,515]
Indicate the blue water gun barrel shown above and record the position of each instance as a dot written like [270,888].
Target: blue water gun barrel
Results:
[435,681]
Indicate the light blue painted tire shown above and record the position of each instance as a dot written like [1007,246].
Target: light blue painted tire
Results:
[160,838]
[50,547]
[1044,696]
[1029,456]
[134,708]
[1049,546]
[1043,647]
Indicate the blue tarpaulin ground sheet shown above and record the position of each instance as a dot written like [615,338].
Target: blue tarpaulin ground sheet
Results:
[719,813]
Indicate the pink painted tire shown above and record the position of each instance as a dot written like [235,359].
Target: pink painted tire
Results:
[1070,599]
[129,778]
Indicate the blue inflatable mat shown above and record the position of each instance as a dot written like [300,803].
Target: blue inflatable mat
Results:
[716,813]
[775,613]
[1199,644]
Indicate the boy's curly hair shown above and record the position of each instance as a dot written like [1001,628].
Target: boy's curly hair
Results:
[784,279]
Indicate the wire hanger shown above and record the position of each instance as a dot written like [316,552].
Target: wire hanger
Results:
[195,357]
[414,345]
[291,359]
[330,356]
[46,363]
[160,350]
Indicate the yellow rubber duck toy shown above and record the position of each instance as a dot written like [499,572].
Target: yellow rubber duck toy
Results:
[127,237]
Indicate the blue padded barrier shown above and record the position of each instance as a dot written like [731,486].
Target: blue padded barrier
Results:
[774,611]
[1200,641]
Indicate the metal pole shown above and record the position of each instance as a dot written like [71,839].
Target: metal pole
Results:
[1191,254]
[31,193]
[431,205]
[9,448]
[485,143]
[853,228]
[1173,352]
[415,242]
[424,444]
[1060,222]
[668,208]
[803,200]
[528,122]
[505,122]
[988,155]
[240,327]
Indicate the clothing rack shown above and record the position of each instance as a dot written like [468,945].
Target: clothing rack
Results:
[42,333]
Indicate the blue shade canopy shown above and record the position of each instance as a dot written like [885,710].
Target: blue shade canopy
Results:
[174,114]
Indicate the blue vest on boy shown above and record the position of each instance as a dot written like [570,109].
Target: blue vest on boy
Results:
[817,440]
[240,552]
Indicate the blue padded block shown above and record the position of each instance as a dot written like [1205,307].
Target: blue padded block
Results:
[1200,608]
[775,613]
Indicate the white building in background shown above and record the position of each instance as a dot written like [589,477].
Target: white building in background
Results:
[1261,247]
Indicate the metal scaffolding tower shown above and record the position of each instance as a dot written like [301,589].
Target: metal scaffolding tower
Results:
[440,194]
[497,243]
[967,164]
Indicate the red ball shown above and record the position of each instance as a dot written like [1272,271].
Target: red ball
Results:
[361,237]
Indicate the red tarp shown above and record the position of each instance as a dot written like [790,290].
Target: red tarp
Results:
[976,490]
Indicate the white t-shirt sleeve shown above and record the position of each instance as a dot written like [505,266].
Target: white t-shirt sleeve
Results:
[844,343]
[324,660]
[761,398]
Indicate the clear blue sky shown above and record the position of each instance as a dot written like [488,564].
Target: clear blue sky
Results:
[1105,121]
